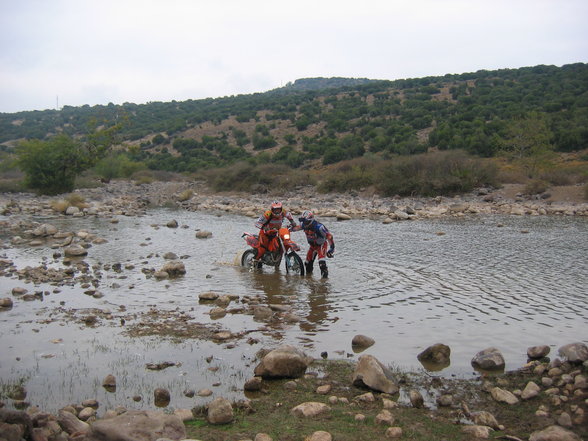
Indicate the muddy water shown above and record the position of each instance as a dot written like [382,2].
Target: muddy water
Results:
[509,282]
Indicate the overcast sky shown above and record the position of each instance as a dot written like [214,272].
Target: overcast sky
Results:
[75,52]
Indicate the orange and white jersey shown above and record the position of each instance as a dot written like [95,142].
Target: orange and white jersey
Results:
[271,221]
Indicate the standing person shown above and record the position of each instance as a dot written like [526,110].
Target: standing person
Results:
[269,223]
[318,238]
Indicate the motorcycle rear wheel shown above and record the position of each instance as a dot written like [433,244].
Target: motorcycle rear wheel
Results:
[248,258]
[294,264]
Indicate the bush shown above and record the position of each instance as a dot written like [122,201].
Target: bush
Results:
[260,178]
[117,166]
[433,174]
[51,166]
[186,195]
[12,186]
[77,200]
[350,175]
[536,186]
[59,206]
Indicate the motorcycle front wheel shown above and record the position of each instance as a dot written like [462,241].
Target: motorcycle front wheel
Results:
[294,264]
[247,260]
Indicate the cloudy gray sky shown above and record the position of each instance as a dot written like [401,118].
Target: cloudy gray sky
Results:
[75,52]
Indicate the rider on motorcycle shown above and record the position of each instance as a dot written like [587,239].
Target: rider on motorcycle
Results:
[318,238]
[270,222]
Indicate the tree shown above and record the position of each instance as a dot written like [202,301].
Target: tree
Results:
[528,141]
[51,166]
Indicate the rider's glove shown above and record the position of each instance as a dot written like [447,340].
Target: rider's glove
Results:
[330,252]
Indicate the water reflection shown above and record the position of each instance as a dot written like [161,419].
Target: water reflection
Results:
[319,304]
[308,297]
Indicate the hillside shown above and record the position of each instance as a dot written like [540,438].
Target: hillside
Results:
[335,119]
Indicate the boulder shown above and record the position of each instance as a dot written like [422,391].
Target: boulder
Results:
[6,302]
[137,425]
[174,268]
[44,230]
[385,417]
[285,361]
[75,251]
[393,432]
[362,341]
[503,396]
[574,352]
[203,234]
[220,411]
[537,352]
[372,374]
[477,432]
[161,397]
[484,418]
[310,409]
[554,433]
[319,435]
[109,381]
[531,390]
[71,423]
[488,359]
[253,384]
[438,354]
[416,399]
[72,210]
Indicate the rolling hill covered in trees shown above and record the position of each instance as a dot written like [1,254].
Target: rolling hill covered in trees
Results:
[320,121]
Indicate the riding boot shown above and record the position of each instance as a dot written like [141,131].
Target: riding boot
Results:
[257,259]
[308,266]
[324,270]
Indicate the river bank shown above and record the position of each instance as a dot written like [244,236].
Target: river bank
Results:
[128,198]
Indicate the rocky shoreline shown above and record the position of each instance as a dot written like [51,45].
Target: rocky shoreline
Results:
[127,198]
[557,389]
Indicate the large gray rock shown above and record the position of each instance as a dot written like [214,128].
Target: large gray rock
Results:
[75,251]
[286,361]
[574,352]
[310,409]
[174,268]
[536,352]
[554,433]
[503,396]
[370,373]
[70,423]
[362,341]
[489,359]
[484,418]
[531,390]
[220,411]
[438,354]
[44,230]
[138,425]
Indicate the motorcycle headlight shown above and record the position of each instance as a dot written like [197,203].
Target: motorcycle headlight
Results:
[286,236]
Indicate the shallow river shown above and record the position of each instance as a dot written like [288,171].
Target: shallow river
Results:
[508,282]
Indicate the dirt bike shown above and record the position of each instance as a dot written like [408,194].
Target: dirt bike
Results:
[280,246]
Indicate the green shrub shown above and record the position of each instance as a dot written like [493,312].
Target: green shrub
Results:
[350,175]
[51,166]
[432,174]
[117,166]
[260,178]
[12,186]
[536,186]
